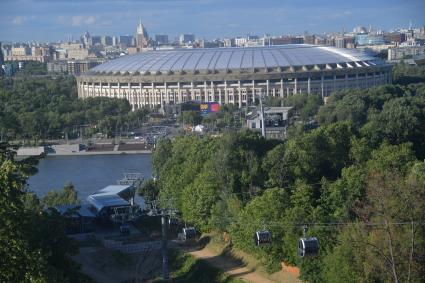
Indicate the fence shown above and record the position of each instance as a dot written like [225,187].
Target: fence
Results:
[132,248]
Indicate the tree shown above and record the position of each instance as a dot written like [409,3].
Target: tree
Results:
[262,212]
[18,261]
[394,203]
[149,190]
[190,117]
[161,154]
[68,195]
[198,200]
[33,244]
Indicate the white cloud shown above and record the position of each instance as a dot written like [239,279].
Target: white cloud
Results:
[77,21]
[18,20]
[85,21]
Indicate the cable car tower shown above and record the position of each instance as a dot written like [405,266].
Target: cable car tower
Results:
[132,179]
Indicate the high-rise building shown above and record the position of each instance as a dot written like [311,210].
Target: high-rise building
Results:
[1,56]
[340,42]
[142,38]
[186,38]
[96,39]
[161,38]
[1,61]
[114,41]
[126,41]
[86,39]
[229,42]
[106,40]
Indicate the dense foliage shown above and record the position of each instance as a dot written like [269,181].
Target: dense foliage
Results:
[33,244]
[31,68]
[43,108]
[361,167]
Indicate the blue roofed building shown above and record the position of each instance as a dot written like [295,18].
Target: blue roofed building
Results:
[113,203]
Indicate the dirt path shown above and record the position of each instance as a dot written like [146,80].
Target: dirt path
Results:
[232,267]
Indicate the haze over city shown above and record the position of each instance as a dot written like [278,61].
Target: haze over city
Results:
[46,20]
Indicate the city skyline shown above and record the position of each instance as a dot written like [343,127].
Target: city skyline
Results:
[210,19]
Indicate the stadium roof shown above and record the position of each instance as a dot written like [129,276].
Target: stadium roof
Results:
[211,60]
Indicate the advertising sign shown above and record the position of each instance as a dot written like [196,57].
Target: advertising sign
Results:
[208,107]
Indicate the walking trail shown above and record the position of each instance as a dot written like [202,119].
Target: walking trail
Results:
[233,267]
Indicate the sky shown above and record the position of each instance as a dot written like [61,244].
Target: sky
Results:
[53,20]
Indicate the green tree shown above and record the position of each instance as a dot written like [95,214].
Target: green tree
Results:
[190,117]
[33,244]
[68,195]
[149,190]
[198,199]
[262,212]
[162,152]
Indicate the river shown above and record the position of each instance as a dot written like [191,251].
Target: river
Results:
[87,173]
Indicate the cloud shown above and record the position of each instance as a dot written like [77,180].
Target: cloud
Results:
[77,21]
[18,20]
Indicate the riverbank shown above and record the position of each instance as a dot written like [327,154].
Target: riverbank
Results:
[100,153]
[78,150]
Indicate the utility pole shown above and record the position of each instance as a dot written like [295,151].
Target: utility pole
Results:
[165,274]
[263,124]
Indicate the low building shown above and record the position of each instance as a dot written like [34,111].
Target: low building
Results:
[409,52]
[287,40]
[276,120]
[77,67]
[81,218]
[8,69]
[59,66]
[113,203]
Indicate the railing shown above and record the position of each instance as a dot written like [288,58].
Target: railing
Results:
[132,248]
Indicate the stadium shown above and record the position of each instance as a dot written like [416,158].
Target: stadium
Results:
[231,75]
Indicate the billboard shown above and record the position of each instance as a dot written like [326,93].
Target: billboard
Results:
[208,107]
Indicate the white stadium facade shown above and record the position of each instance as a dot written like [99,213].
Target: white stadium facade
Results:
[231,75]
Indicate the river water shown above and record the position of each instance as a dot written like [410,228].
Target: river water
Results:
[87,173]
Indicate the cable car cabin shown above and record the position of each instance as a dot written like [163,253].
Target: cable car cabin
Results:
[262,238]
[189,233]
[308,247]
[173,222]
